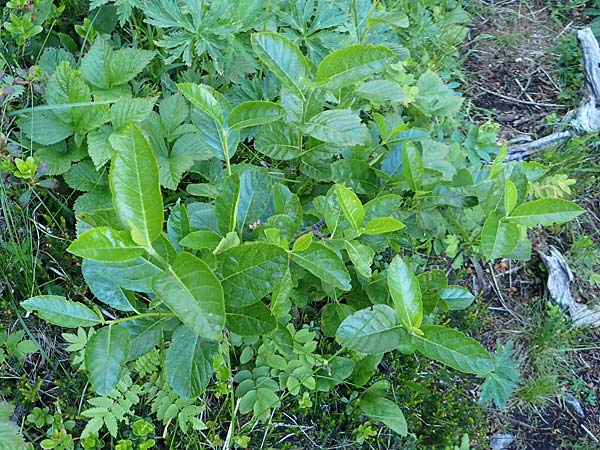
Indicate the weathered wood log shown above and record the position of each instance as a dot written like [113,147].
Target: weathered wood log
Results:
[559,282]
[587,117]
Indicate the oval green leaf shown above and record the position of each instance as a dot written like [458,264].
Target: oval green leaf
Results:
[253,320]
[412,166]
[188,366]
[284,59]
[194,294]
[386,411]
[325,264]
[371,330]
[546,211]
[135,185]
[453,348]
[498,239]
[510,196]
[361,257]
[303,242]
[198,240]
[406,294]
[457,297]
[106,245]
[351,206]
[202,98]
[250,272]
[383,225]
[352,64]
[337,126]
[62,312]
[253,113]
[105,356]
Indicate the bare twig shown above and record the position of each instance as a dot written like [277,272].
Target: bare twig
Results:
[500,296]
[315,228]
[518,100]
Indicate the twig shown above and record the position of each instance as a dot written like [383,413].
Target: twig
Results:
[518,100]
[500,296]
[315,228]
[589,432]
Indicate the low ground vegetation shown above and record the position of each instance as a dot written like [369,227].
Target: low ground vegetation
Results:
[281,225]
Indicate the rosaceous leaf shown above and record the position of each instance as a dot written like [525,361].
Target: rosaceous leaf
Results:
[253,113]
[106,245]
[135,185]
[337,126]
[371,330]
[249,272]
[406,294]
[351,206]
[325,264]
[10,436]
[498,239]
[194,294]
[188,366]
[253,320]
[105,355]
[386,411]
[284,59]
[453,348]
[62,312]
[202,97]
[352,64]
[45,128]
[546,211]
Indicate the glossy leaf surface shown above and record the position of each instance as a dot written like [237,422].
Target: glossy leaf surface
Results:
[371,330]
[453,348]
[135,186]
[106,245]
[406,293]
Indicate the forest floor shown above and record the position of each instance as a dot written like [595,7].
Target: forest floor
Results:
[521,67]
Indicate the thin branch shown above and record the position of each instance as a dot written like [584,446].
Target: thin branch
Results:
[518,100]
[315,228]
